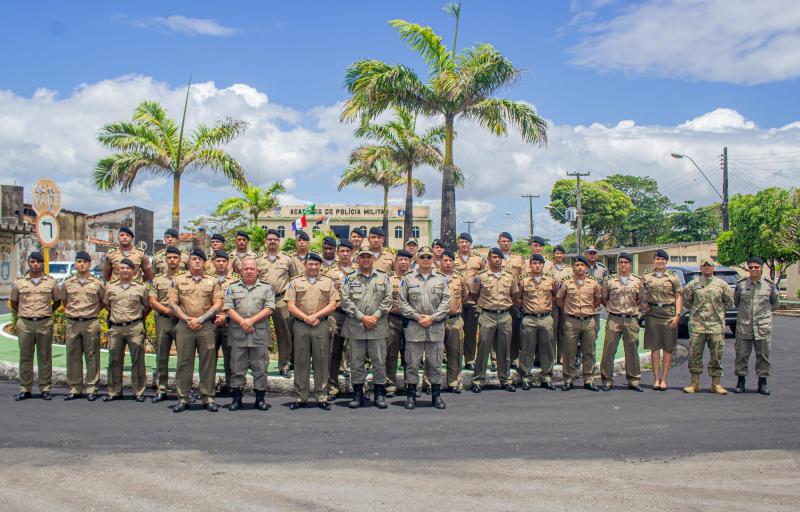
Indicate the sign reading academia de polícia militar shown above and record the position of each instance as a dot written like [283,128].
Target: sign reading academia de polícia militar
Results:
[344,211]
[46,197]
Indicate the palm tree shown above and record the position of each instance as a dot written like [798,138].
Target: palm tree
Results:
[378,173]
[253,200]
[460,84]
[398,142]
[154,143]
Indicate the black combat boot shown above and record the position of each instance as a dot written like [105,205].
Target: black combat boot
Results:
[358,396]
[436,396]
[739,385]
[236,399]
[261,401]
[762,386]
[380,396]
[411,396]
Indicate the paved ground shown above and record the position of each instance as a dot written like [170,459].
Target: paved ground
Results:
[495,451]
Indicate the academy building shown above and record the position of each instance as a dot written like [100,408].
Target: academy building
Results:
[342,218]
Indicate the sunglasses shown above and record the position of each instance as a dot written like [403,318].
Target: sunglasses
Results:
[425,256]
[754,268]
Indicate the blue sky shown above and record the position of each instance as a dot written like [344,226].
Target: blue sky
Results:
[635,76]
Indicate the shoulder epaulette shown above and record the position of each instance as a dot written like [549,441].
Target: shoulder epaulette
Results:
[671,273]
[743,279]
[390,273]
[112,250]
[476,254]
[296,278]
[484,271]
[650,271]
[611,276]
[549,275]
[408,272]
[524,276]
[458,273]
[379,271]
[600,264]
[592,278]
[566,278]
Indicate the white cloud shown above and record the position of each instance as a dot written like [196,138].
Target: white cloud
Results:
[735,41]
[181,25]
[720,120]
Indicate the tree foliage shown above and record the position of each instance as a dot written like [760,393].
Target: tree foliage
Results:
[691,225]
[252,202]
[647,220]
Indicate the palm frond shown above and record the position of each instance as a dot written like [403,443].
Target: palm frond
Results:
[426,42]
[121,169]
[129,136]
[494,114]
[375,86]
[481,72]
[218,135]
[219,161]
[153,114]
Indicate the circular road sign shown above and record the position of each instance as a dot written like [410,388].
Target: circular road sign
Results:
[46,197]
[47,229]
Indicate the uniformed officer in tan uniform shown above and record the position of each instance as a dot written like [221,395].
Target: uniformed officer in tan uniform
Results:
[298,258]
[537,290]
[357,236]
[82,296]
[366,297]
[598,271]
[579,295]
[664,301]
[159,258]
[622,295]
[142,271]
[454,326]
[274,267]
[218,244]
[495,289]
[165,319]
[396,341]
[311,297]
[242,250]
[468,264]
[328,254]
[438,246]
[224,278]
[248,304]
[127,305]
[195,298]
[34,297]
[559,269]
[515,264]
[412,246]
[382,258]
[425,302]
[337,272]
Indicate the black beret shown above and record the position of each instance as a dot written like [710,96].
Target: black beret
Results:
[505,234]
[127,263]
[171,249]
[217,236]
[755,259]
[439,242]
[329,240]
[171,232]
[36,256]
[312,256]
[273,232]
[497,251]
[661,253]
[220,254]
[465,236]
[625,256]
[244,234]
[404,254]
[449,253]
[346,243]
[539,240]
[125,229]
[199,253]
[358,231]
[537,257]
[559,248]
[376,231]
[302,235]
[581,259]
[83,255]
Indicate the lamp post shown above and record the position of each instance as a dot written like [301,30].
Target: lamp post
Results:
[724,196]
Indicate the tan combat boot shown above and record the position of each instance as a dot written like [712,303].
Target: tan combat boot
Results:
[694,387]
[716,387]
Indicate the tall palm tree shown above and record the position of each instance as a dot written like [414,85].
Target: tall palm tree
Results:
[154,143]
[378,173]
[254,201]
[397,141]
[460,84]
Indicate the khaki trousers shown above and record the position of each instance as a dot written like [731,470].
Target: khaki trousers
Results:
[579,332]
[495,333]
[470,315]
[433,352]
[35,338]
[376,350]
[454,348]
[281,321]
[558,332]
[165,338]
[201,342]
[515,335]
[394,344]
[83,342]
[311,347]
[256,359]
[537,337]
[744,347]
[119,337]
[627,329]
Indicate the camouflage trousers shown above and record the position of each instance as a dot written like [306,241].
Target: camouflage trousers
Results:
[697,343]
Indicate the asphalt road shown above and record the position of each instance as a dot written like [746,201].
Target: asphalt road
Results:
[669,449]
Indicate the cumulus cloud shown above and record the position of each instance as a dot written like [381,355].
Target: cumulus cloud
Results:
[735,41]
[180,24]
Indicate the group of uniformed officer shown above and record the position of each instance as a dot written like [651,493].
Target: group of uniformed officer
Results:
[423,306]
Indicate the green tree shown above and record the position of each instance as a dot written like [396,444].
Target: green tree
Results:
[647,220]
[154,143]
[253,201]
[377,173]
[226,225]
[692,225]
[604,208]
[757,223]
[460,84]
[397,142]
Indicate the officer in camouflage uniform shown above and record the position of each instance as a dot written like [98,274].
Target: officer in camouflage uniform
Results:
[337,272]
[664,298]
[707,297]
[537,290]
[125,250]
[166,321]
[396,341]
[224,278]
[755,298]
[468,264]
[159,258]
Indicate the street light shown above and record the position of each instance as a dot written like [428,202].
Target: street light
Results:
[558,212]
[681,155]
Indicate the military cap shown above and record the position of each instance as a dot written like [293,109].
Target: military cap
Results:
[217,236]
[537,257]
[497,251]
[365,250]
[706,260]
[83,255]
[221,254]
[329,240]
[404,254]
[425,250]
[439,242]
[358,231]
[625,256]
[449,253]
[539,240]
[171,232]
[661,253]
[273,232]
[591,248]
[36,256]
[301,235]
[199,253]
[465,236]
[244,234]
[126,229]
[127,263]
[505,234]
[376,231]
[581,259]
[312,256]
[412,241]
[346,243]
[171,249]
[559,248]
[755,259]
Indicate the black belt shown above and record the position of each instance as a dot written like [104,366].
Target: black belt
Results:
[279,295]
[663,305]
[340,310]
[535,315]
[494,311]
[622,316]
[123,324]
[164,315]
[323,318]
[81,319]
[398,316]
[454,315]
[581,317]
[33,318]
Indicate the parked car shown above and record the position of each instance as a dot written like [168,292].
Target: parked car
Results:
[60,270]
[686,273]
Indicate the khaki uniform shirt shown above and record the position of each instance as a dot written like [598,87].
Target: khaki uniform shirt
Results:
[277,272]
[159,287]
[160,261]
[298,265]
[623,296]
[537,296]
[558,270]
[383,261]
[236,260]
[337,273]
[362,296]
[755,301]
[579,297]
[661,289]
[137,256]
[35,300]
[223,283]
[194,296]
[468,268]
[424,296]
[598,271]
[248,301]
[394,280]
[82,299]
[125,303]
[311,297]
[459,292]
[494,292]
[514,263]
[326,266]
[208,268]
[707,300]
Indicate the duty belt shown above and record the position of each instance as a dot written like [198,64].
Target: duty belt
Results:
[280,295]
[580,317]
[33,318]
[123,324]
[535,315]
[621,315]
[663,305]
[494,311]
[398,316]
[340,310]
[81,319]
[454,315]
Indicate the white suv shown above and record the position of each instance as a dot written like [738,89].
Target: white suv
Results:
[60,270]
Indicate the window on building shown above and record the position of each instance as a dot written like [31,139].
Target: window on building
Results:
[315,230]
[364,230]
[281,231]
[691,259]
[415,232]
[398,232]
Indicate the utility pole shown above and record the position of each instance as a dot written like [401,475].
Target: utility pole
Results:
[530,211]
[724,206]
[469,224]
[579,230]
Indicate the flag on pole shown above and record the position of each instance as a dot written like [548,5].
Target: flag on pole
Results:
[320,220]
[310,210]
[300,223]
